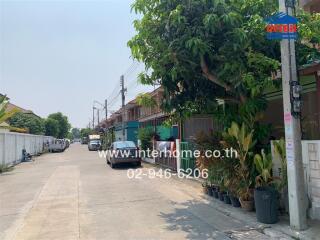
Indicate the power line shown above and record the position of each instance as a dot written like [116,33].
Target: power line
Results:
[113,100]
[116,91]
[131,69]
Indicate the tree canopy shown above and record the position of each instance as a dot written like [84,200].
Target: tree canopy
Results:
[64,125]
[75,133]
[51,127]
[85,132]
[34,124]
[5,115]
[204,50]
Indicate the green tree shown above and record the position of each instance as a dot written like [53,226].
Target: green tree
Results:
[145,136]
[146,100]
[70,135]
[202,51]
[4,115]
[85,132]
[51,127]
[34,124]
[64,125]
[75,133]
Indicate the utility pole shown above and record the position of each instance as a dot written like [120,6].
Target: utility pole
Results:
[123,90]
[93,117]
[292,109]
[106,108]
[98,113]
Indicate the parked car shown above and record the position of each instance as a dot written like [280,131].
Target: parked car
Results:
[123,152]
[94,145]
[84,140]
[57,145]
[67,143]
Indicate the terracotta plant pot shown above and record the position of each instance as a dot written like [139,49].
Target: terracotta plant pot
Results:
[247,205]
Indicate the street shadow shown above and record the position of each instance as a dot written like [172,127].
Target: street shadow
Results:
[126,166]
[199,221]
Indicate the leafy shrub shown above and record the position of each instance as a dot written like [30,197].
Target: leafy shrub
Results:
[5,168]
[145,135]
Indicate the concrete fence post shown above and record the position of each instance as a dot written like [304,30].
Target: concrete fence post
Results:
[4,149]
[15,151]
[178,153]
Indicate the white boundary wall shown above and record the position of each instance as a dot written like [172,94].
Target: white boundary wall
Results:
[311,167]
[12,144]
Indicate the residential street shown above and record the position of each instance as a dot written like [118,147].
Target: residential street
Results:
[75,195]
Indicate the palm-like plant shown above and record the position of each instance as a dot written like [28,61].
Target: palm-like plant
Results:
[4,115]
[263,165]
[280,150]
[244,141]
[241,139]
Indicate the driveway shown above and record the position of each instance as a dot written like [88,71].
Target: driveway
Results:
[75,195]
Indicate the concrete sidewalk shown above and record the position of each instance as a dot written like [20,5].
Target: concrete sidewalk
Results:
[280,230]
[75,195]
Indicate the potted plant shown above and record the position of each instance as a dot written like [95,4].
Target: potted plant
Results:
[214,177]
[235,201]
[221,195]
[210,190]
[220,181]
[233,192]
[226,198]
[204,142]
[265,194]
[227,179]
[216,192]
[240,138]
[246,198]
[280,151]
[205,187]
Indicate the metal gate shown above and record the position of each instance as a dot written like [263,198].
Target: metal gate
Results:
[168,161]
[187,159]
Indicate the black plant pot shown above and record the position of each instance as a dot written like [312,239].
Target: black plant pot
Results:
[226,199]
[220,194]
[235,202]
[210,191]
[266,203]
[216,194]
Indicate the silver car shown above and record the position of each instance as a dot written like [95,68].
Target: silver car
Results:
[123,152]
[94,145]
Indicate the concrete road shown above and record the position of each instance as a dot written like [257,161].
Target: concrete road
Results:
[75,195]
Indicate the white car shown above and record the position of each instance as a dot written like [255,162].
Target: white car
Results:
[57,145]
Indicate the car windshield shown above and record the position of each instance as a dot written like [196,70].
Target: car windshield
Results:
[95,142]
[124,144]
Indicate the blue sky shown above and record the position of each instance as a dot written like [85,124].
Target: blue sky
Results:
[62,55]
